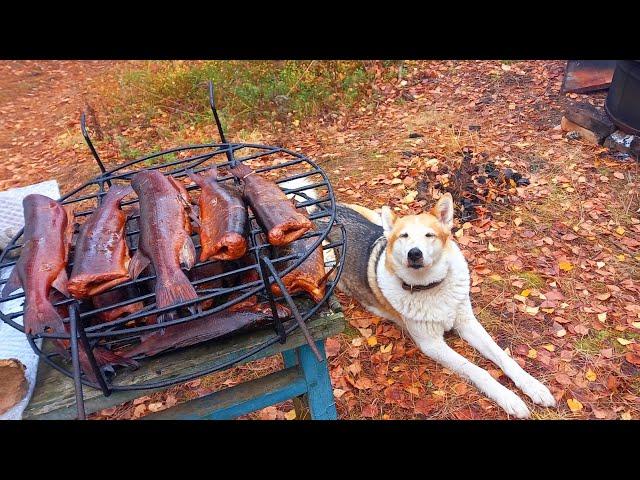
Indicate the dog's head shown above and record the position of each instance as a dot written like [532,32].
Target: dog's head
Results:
[416,242]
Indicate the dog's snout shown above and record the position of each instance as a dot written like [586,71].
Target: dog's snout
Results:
[414,254]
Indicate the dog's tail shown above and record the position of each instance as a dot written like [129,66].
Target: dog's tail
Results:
[304,194]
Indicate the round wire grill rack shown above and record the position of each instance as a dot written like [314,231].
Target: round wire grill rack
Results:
[220,284]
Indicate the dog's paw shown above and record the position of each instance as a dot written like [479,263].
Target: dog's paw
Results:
[512,404]
[538,393]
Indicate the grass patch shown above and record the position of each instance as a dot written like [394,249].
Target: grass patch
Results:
[531,279]
[246,91]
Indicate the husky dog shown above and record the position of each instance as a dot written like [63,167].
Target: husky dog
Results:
[410,270]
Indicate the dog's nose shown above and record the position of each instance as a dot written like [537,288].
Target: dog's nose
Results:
[414,254]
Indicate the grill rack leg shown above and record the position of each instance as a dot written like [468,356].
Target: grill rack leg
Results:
[75,361]
[272,302]
[294,309]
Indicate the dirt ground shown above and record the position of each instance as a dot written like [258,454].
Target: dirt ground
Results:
[554,271]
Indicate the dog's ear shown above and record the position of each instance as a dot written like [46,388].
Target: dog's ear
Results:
[443,211]
[388,219]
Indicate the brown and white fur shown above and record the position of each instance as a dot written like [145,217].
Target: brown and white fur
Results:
[385,251]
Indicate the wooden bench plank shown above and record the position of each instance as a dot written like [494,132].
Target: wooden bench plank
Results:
[54,396]
[240,399]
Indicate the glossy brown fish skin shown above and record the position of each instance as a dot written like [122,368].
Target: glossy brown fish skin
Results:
[164,238]
[192,332]
[223,218]
[112,297]
[277,214]
[41,267]
[101,258]
[309,276]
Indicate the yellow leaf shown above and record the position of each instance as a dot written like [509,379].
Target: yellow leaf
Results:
[566,266]
[386,348]
[621,257]
[533,311]
[495,277]
[526,292]
[290,415]
[620,231]
[635,324]
[372,341]
[548,310]
[492,248]
[532,353]
[590,375]
[439,393]
[550,347]
[517,221]
[602,317]
[625,416]
[574,405]
[623,341]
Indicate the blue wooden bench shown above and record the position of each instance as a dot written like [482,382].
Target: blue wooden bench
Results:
[303,378]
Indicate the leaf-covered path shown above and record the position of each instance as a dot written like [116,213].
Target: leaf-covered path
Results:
[555,269]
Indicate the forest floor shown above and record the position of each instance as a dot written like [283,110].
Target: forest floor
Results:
[554,263]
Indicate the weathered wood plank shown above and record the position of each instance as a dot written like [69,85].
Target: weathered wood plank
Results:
[238,400]
[53,397]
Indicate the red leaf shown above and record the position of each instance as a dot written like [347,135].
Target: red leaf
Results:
[369,411]
[332,346]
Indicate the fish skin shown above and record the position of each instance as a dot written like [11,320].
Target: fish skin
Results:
[277,214]
[223,217]
[41,266]
[101,258]
[309,276]
[164,239]
[191,332]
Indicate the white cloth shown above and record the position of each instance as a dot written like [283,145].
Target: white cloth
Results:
[13,343]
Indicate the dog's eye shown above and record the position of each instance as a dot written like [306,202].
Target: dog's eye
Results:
[429,235]
[404,235]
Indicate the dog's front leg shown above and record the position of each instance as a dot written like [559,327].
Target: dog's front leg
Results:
[433,345]
[473,332]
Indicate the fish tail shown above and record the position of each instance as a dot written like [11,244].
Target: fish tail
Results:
[194,177]
[42,316]
[118,192]
[241,171]
[171,293]
[104,359]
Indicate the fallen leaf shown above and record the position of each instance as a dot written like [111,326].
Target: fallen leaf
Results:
[590,375]
[620,231]
[566,266]
[624,341]
[290,415]
[532,353]
[372,341]
[632,358]
[574,405]
[369,411]
[156,407]
[602,317]
[332,346]
[338,392]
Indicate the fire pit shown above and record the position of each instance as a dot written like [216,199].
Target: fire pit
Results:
[219,289]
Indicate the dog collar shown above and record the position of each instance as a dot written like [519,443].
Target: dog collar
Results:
[416,288]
